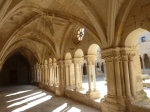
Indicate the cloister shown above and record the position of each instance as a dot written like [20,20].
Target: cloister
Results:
[52,44]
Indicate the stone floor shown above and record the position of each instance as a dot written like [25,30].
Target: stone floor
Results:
[27,98]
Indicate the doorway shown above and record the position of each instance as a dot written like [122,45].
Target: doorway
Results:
[13,78]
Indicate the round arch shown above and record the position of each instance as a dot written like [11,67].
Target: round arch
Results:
[17,69]
[78,53]
[68,56]
[92,50]
[132,38]
[50,61]
[131,34]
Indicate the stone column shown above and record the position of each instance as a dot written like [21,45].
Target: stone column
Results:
[58,75]
[61,78]
[35,74]
[52,78]
[89,76]
[42,74]
[38,74]
[45,74]
[81,74]
[78,75]
[143,62]
[92,92]
[126,76]
[71,74]
[67,73]
[54,74]
[50,74]
[122,69]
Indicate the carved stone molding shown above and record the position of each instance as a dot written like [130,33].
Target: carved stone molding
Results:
[112,53]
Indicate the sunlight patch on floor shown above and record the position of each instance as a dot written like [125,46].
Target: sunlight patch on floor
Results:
[20,92]
[27,100]
[59,109]
[24,97]
[32,104]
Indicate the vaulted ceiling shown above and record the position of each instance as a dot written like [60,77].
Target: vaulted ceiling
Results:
[46,26]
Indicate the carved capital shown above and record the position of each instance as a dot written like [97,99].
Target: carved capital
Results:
[114,53]
[68,62]
[77,60]
[91,59]
[41,66]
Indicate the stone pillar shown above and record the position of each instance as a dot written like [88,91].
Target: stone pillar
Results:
[122,69]
[61,78]
[78,75]
[143,62]
[71,76]
[45,74]
[57,75]
[38,74]
[92,92]
[52,79]
[54,74]
[81,74]
[67,73]
[89,76]
[50,73]
[42,74]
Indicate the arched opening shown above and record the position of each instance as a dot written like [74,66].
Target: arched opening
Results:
[16,70]
[146,61]
[84,68]
[102,67]
[139,41]
[141,62]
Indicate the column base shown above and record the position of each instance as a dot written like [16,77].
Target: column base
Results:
[113,107]
[93,94]
[41,85]
[59,91]
[117,104]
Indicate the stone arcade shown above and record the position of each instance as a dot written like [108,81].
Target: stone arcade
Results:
[55,37]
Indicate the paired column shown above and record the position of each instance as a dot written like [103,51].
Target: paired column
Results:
[45,74]
[54,74]
[91,59]
[38,73]
[60,78]
[50,73]
[42,73]
[67,73]
[78,73]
